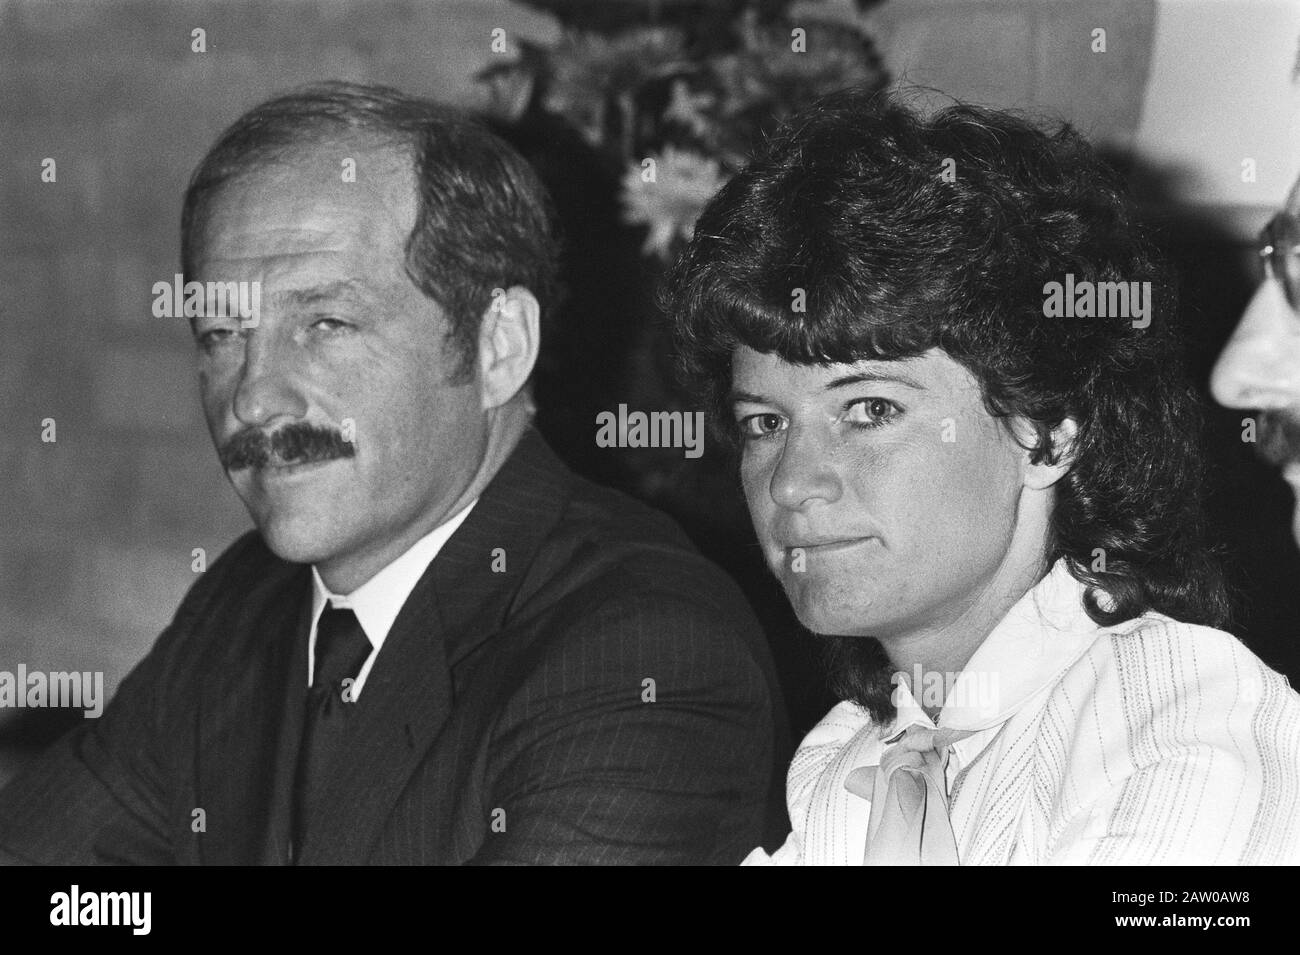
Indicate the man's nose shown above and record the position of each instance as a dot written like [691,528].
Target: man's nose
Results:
[1260,365]
[806,473]
[267,389]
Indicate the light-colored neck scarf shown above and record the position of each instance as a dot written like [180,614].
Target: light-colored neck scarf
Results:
[909,822]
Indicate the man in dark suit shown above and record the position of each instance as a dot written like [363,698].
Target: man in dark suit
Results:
[439,646]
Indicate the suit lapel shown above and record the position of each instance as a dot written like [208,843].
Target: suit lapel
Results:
[480,571]
[459,602]
[258,684]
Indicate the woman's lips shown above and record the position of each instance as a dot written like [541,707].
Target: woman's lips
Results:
[827,546]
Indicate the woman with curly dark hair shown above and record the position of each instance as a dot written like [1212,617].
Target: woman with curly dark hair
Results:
[947,355]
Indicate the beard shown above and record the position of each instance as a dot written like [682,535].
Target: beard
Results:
[858,670]
[1279,437]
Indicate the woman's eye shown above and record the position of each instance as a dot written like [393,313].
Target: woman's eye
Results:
[760,425]
[872,412]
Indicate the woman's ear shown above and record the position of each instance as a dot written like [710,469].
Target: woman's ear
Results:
[1046,473]
[508,342]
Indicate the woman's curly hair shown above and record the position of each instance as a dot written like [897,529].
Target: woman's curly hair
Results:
[907,233]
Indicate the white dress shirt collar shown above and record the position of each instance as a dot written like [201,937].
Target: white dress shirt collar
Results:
[1042,634]
[378,601]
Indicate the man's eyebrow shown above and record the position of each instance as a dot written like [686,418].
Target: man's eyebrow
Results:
[331,291]
[874,376]
[735,396]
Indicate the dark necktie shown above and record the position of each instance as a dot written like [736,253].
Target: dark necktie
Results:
[341,649]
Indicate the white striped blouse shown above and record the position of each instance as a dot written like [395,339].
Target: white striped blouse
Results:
[1151,742]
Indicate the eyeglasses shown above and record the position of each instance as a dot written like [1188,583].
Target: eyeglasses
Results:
[1279,248]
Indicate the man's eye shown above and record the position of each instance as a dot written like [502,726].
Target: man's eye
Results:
[329,323]
[872,412]
[761,425]
[216,336]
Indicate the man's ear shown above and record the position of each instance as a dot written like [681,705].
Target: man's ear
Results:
[508,340]
[1044,474]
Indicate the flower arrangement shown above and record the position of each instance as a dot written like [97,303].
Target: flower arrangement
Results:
[679,107]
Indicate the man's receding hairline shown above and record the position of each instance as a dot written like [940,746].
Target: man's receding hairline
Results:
[398,163]
[356,144]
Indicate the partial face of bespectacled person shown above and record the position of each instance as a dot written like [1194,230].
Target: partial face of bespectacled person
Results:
[339,417]
[1260,365]
[886,498]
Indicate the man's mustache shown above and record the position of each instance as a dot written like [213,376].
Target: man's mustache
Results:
[292,444]
[1279,437]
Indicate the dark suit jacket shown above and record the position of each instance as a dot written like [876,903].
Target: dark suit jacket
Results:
[507,718]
